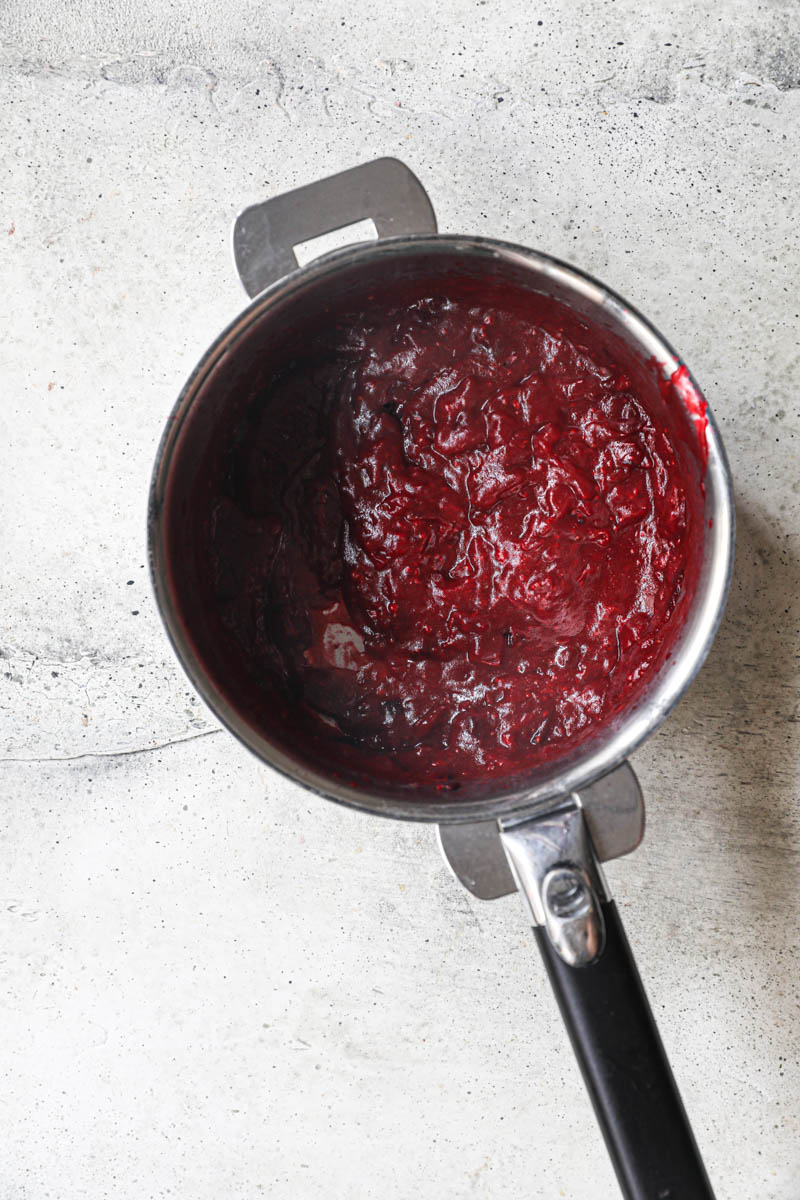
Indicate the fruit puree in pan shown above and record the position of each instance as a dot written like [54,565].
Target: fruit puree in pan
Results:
[458,536]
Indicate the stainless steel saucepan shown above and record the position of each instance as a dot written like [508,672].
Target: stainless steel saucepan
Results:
[547,832]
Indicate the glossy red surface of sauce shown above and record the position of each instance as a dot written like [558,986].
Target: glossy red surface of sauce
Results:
[460,540]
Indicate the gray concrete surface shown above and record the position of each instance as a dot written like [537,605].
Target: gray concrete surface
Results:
[212,984]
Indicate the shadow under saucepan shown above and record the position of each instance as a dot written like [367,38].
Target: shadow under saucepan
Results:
[746,703]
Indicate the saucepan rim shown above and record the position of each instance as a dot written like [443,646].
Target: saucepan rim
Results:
[675,677]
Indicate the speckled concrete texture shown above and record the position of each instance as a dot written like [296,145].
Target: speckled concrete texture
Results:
[211,983]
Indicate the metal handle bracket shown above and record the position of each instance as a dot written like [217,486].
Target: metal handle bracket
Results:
[556,868]
[558,874]
[614,810]
[385,191]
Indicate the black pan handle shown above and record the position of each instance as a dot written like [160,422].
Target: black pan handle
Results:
[603,1003]
[626,1070]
